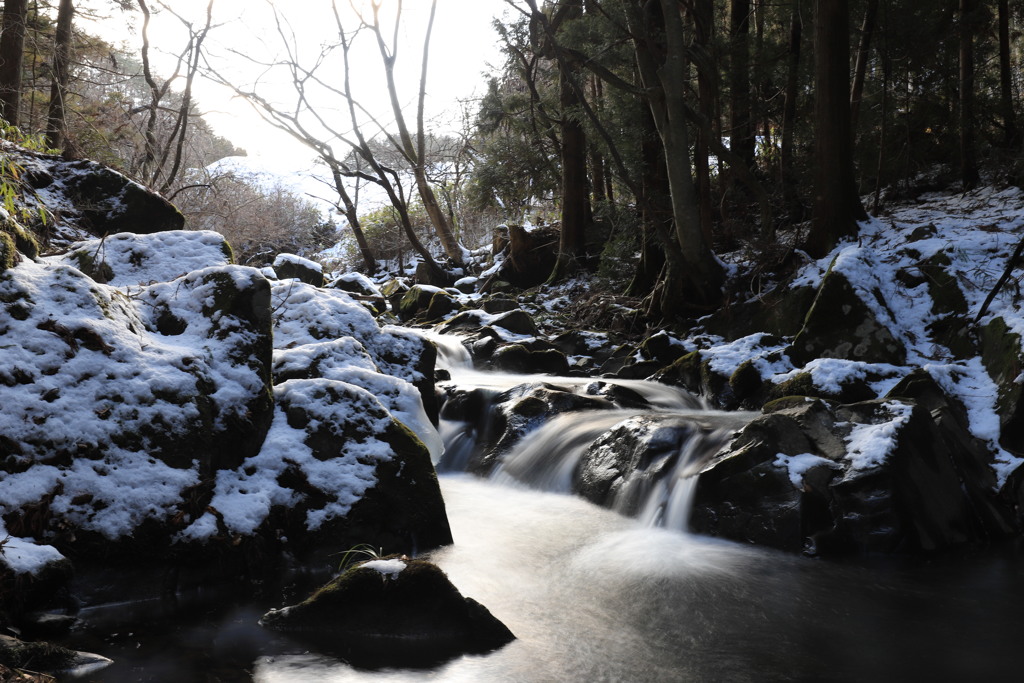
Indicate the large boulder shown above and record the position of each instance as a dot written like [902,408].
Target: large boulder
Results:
[878,477]
[115,406]
[308,315]
[142,420]
[1003,357]
[290,266]
[90,198]
[847,323]
[335,470]
[391,612]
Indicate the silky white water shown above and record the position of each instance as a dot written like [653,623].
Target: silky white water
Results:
[593,596]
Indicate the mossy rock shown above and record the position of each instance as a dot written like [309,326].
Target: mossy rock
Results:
[24,241]
[780,312]
[8,253]
[841,325]
[415,301]
[110,203]
[1003,358]
[851,390]
[392,612]
[441,305]
[499,304]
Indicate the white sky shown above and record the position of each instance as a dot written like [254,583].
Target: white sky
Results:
[462,47]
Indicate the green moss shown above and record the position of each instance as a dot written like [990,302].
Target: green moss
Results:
[85,261]
[8,252]
[841,325]
[24,240]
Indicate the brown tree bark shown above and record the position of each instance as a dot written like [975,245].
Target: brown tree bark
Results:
[837,207]
[12,50]
[693,277]
[707,95]
[575,189]
[787,172]
[867,29]
[55,120]
[1011,135]
[968,153]
[741,134]
[414,151]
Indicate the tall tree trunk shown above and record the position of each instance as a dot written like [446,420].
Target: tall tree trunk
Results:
[707,94]
[55,121]
[12,50]
[837,206]
[968,153]
[655,208]
[860,70]
[575,192]
[787,172]
[741,135]
[1011,136]
[414,151]
[694,277]
[352,216]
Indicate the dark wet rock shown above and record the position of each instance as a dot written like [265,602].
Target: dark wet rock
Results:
[516,321]
[499,303]
[391,612]
[472,320]
[695,373]
[662,348]
[45,658]
[1003,358]
[841,325]
[518,358]
[622,467]
[290,266]
[876,477]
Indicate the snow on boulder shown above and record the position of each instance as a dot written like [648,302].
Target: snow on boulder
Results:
[290,266]
[127,259]
[304,314]
[849,318]
[876,477]
[336,469]
[110,413]
[86,198]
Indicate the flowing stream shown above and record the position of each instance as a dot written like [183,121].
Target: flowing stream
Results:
[593,595]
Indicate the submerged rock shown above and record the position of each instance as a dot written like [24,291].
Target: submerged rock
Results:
[392,612]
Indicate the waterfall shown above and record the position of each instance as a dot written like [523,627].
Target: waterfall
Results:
[671,434]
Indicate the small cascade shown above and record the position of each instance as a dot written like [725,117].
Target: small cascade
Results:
[639,459]
[577,453]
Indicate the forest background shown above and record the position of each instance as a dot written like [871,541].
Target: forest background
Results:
[654,135]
